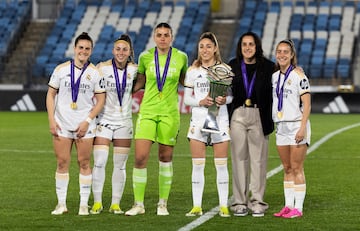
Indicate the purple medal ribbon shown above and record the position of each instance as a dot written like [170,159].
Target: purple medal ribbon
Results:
[75,85]
[280,90]
[161,82]
[248,89]
[120,90]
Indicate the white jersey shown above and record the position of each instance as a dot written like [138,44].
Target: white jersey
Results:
[112,113]
[90,84]
[295,86]
[196,79]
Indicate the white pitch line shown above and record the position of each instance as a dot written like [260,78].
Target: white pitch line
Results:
[214,211]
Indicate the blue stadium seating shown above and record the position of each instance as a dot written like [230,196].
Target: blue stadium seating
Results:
[324,32]
[322,22]
[135,18]
[13,15]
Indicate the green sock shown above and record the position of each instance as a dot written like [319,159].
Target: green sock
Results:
[139,184]
[165,179]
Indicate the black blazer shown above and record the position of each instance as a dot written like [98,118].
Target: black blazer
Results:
[262,93]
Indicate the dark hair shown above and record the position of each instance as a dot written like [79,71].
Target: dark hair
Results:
[259,53]
[126,38]
[165,25]
[84,36]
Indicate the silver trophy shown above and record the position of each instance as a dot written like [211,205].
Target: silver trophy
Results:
[220,77]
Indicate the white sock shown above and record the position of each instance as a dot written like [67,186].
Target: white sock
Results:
[101,153]
[289,193]
[198,180]
[85,189]
[119,173]
[61,184]
[222,180]
[300,191]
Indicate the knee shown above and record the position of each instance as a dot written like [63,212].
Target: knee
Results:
[165,157]
[99,163]
[140,161]
[84,164]
[62,164]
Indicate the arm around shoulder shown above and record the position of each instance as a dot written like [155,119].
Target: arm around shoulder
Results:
[139,82]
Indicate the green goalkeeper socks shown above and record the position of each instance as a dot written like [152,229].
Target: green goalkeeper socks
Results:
[165,179]
[139,184]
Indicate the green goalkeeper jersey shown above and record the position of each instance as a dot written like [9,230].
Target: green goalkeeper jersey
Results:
[166,102]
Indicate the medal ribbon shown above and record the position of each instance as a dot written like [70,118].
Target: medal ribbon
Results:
[161,82]
[248,89]
[280,90]
[75,85]
[120,90]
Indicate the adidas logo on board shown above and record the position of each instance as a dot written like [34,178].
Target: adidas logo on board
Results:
[338,105]
[24,104]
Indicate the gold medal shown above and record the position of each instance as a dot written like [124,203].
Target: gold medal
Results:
[279,114]
[160,94]
[120,109]
[73,105]
[248,102]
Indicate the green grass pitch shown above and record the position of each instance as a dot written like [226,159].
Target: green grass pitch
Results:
[27,191]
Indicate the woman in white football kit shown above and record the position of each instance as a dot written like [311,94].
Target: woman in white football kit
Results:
[291,111]
[114,123]
[196,94]
[75,97]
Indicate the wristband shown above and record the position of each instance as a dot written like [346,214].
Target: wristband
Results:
[88,120]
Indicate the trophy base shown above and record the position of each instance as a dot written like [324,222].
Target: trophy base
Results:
[209,130]
[210,125]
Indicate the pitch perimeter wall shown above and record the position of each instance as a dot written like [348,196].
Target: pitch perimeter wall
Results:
[34,100]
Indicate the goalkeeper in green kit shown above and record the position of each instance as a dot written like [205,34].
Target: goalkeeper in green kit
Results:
[160,70]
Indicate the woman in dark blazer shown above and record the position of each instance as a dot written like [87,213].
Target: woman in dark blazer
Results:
[250,125]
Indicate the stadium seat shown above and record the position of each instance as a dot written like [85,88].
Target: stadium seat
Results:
[335,22]
[13,17]
[324,32]
[322,22]
[321,30]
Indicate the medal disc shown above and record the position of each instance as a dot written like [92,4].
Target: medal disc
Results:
[279,114]
[73,105]
[248,102]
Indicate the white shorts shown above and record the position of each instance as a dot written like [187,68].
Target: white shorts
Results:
[286,132]
[73,135]
[112,132]
[206,137]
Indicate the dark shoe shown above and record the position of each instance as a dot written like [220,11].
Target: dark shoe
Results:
[240,210]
